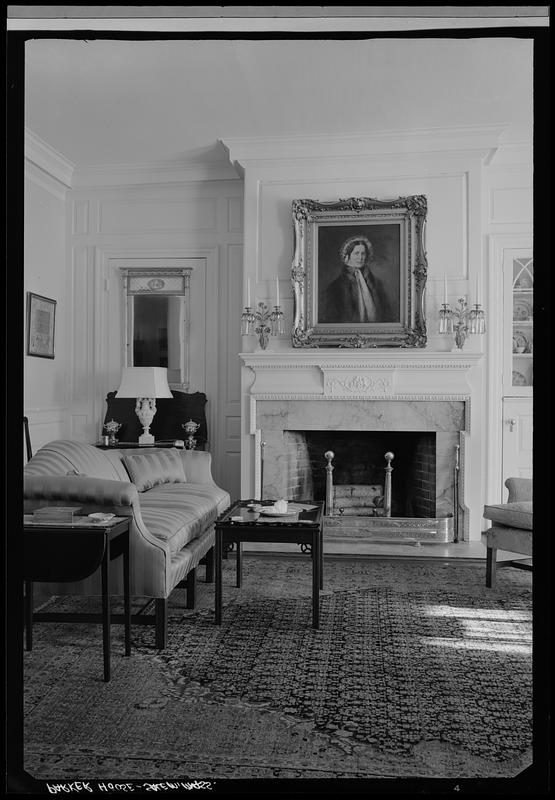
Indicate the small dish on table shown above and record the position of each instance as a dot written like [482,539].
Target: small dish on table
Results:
[98,517]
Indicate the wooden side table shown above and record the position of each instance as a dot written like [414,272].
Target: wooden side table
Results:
[66,552]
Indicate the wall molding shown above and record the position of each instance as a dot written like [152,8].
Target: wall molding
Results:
[148,173]
[38,177]
[482,138]
[46,158]
[366,360]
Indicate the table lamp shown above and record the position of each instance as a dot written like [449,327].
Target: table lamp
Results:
[146,384]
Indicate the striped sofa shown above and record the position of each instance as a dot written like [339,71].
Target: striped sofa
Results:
[170,496]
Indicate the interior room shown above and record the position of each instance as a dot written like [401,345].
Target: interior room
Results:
[189,198]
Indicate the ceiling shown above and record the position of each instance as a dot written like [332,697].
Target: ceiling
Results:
[116,102]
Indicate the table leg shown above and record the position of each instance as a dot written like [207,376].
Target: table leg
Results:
[28,615]
[321,557]
[106,611]
[218,578]
[126,597]
[316,560]
[491,563]
[239,577]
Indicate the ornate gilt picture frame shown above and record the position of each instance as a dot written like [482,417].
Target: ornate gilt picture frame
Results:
[359,272]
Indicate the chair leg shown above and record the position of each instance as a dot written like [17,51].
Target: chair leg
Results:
[491,564]
[161,622]
[191,588]
[210,566]
[28,615]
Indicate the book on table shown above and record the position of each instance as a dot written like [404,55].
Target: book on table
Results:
[57,513]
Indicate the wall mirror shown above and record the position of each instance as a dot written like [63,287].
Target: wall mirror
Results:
[157,320]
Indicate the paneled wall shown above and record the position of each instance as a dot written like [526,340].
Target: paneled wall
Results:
[480,202]
[46,381]
[198,223]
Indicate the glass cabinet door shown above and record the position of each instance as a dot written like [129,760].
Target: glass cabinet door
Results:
[520,310]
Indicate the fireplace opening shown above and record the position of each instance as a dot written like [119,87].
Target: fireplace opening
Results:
[359,466]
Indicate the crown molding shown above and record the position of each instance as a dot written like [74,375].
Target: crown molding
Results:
[44,156]
[153,172]
[481,138]
[513,154]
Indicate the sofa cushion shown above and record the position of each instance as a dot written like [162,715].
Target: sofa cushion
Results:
[515,540]
[177,514]
[514,515]
[151,469]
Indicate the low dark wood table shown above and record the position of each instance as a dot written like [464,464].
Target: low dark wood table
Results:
[306,530]
[65,552]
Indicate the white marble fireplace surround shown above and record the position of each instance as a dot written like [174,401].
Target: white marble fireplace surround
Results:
[320,389]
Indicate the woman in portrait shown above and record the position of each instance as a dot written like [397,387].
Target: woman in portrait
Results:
[356,295]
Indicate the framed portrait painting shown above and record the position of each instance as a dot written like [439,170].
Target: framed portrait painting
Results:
[41,318]
[359,272]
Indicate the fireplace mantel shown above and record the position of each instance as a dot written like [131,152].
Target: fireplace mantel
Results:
[406,389]
[460,358]
[336,373]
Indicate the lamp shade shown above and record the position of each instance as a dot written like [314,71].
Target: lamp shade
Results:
[144,382]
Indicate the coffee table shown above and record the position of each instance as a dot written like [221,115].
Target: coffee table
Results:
[239,524]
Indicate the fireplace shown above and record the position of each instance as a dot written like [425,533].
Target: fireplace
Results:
[362,405]
[359,470]
[423,436]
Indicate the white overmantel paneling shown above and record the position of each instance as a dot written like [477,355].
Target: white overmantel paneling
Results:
[445,164]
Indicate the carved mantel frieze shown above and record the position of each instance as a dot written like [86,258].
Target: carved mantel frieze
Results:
[346,383]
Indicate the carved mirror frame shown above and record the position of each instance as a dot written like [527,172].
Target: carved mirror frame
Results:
[169,282]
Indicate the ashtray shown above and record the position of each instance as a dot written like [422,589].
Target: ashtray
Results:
[99,517]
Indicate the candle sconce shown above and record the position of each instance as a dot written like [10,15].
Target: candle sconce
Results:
[461,320]
[262,322]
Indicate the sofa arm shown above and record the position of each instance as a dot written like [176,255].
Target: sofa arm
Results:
[80,489]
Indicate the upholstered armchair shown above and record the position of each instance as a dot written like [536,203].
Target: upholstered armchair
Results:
[512,525]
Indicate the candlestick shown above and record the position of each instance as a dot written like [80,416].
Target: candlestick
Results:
[477,301]
[444,289]
[248,292]
[277,291]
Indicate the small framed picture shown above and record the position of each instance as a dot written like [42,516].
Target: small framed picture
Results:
[41,318]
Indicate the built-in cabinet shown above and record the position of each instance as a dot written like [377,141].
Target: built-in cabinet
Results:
[518,366]
[519,333]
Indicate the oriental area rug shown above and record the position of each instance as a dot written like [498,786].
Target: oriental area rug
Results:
[417,670]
